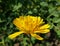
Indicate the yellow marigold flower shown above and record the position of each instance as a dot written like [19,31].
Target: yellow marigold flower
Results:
[30,25]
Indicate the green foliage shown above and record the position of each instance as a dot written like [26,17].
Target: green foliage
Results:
[49,10]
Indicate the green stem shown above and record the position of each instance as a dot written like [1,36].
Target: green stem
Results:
[3,41]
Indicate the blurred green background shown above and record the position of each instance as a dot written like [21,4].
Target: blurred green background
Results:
[49,10]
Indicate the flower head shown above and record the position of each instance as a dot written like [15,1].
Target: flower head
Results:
[30,25]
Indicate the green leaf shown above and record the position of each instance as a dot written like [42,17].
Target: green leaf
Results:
[0,0]
[58,24]
[44,4]
[35,10]
[1,20]
[51,9]
[55,13]
[29,12]
[58,32]
[33,40]
[56,20]
[16,7]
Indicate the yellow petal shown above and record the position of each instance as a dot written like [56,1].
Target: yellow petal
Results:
[45,26]
[12,36]
[18,23]
[37,36]
[41,22]
[42,31]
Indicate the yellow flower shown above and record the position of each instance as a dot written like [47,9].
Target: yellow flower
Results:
[30,25]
